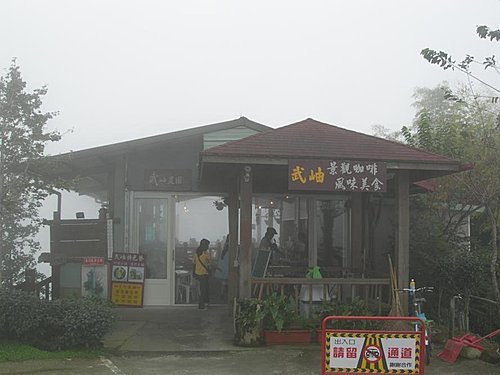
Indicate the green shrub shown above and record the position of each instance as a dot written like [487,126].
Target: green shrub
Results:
[84,321]
[54,325]
[248,313]
[19,314]
[248,322]
[355,308]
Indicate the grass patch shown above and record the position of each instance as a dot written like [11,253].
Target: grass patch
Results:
[14,351]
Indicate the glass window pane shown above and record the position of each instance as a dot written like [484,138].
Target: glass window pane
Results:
[152,222]
[333,235]
[289,217]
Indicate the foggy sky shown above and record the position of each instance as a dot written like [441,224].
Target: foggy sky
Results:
[119,70]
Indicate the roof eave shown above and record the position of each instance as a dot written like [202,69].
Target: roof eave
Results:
[128,146]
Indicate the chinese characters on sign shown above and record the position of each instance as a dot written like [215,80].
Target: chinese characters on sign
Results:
[127,279]
[372,352]
[337,175]
[168,179]
[93,261]
[125,294]
[400,353]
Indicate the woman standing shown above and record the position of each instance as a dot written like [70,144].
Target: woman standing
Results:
[202,263]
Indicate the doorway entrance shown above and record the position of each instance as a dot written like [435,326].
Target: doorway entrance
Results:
[167,228]
[198,217]
[151,227]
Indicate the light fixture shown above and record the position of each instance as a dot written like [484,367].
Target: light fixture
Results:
[246,176]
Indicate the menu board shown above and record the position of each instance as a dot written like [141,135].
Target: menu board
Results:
[127,279]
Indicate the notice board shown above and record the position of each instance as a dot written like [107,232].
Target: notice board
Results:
[95,277]
[261,263]
[127,287]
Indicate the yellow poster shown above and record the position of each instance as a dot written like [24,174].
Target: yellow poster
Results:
[127,294]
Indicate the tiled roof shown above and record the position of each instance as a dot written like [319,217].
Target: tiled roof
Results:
[145,143]
[317,140]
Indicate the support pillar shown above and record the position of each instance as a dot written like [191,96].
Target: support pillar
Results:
[233,276]
[245,232]
[356,261]
[403,234]
[312,237]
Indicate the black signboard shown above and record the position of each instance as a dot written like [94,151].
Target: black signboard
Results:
[337,175]
[261,262]
[168,179]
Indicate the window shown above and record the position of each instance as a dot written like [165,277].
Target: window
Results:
[323,240]
[333,236]
[152,235]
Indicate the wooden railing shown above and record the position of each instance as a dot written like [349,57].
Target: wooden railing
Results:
[373,291]
[43,288]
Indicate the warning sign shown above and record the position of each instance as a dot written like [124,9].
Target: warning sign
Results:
[369,352]
[372,353]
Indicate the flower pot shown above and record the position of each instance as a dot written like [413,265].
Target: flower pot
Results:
[296,336]
[247,326]
[248,337]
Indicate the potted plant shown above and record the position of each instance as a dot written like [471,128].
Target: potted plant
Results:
[356,307]
[248,316]
[282,324]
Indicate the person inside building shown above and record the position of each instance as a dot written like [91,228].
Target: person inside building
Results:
[201,263]
[268,243]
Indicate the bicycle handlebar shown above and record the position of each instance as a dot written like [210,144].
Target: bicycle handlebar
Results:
[422,289]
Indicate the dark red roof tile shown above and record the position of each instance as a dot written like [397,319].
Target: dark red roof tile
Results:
[316,140]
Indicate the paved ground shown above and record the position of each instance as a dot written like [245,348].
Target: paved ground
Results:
[184,340]
[272,361]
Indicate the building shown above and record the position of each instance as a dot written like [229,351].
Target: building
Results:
[337,199]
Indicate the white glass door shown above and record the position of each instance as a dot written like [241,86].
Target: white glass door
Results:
[151,227]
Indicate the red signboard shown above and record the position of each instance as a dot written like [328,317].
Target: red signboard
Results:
[93,261]
[337,175]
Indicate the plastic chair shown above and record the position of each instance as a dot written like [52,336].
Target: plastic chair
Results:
[187,286]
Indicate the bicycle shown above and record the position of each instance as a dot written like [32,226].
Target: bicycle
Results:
[417,300]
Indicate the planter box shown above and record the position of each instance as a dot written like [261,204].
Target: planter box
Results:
[319,338]
[298,336]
